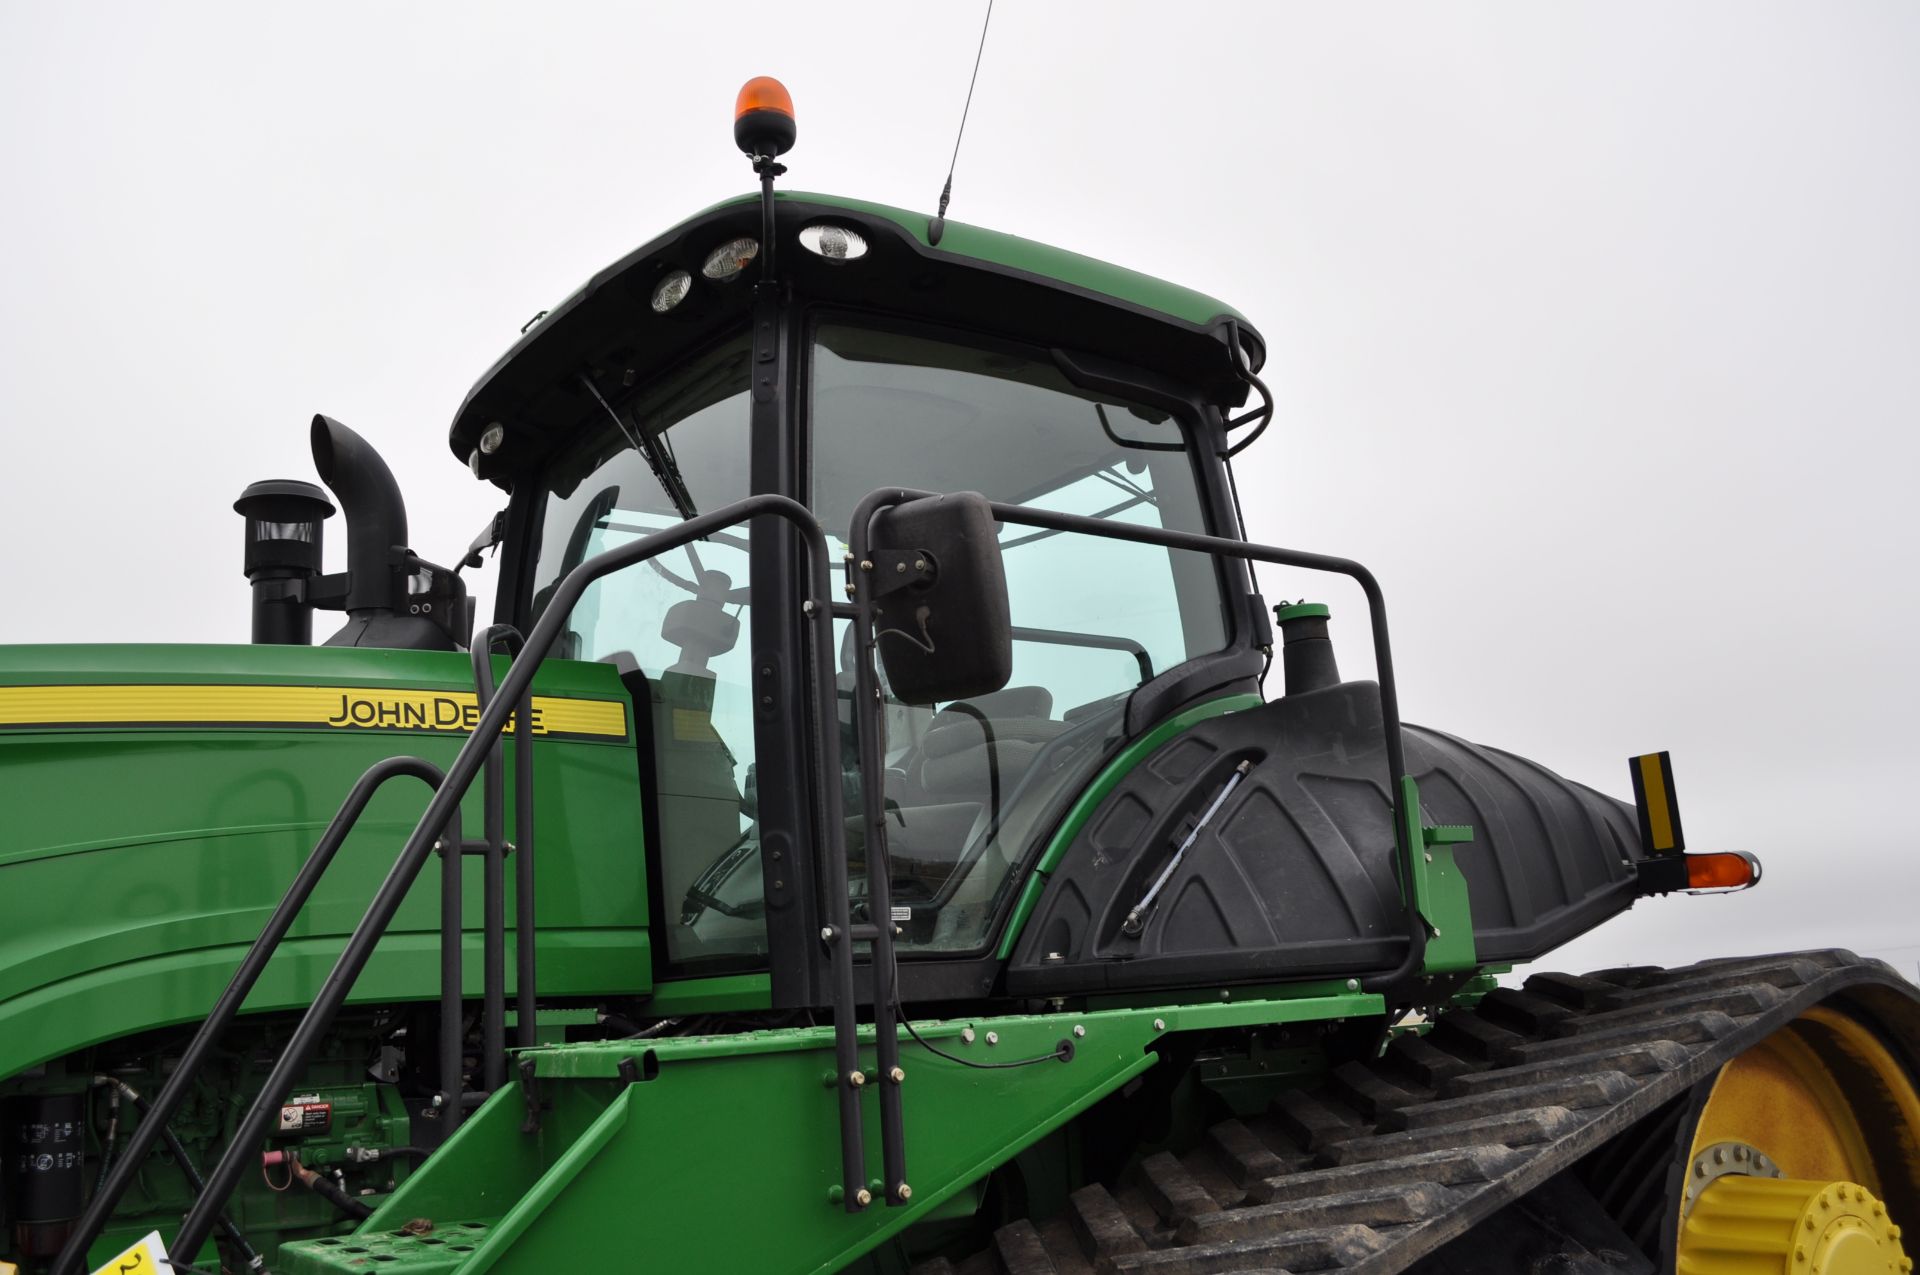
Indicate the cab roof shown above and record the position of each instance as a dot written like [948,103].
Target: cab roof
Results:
[992,283]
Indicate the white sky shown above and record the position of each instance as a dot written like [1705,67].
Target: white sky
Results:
[1595,328]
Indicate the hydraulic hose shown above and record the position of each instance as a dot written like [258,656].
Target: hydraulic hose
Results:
[327,1189]
[188,1170]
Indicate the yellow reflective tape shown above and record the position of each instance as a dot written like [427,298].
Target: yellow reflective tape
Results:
[1653,782]
[332,707]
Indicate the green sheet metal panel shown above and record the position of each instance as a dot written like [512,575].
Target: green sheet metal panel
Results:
[144,847]
[724,1155]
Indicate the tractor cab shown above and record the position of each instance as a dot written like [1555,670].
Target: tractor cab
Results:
[858,355]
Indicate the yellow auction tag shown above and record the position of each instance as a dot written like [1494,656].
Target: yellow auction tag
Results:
[148,1257]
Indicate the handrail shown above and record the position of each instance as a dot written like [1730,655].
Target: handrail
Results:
[1092,641]
[1405,819]
[460,776]
[161,1108]
[1220,546]
[522,845]
[1053,637]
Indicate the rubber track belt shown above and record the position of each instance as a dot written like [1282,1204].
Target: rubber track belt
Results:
[1390,1159]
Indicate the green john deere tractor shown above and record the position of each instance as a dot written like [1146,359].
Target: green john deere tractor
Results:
[859,840]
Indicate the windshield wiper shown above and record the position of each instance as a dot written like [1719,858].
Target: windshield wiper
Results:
[658,459]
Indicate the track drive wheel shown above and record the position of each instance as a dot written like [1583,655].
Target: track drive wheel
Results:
[1805,1151]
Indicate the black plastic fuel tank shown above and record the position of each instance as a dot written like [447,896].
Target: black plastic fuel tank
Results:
[1293,877]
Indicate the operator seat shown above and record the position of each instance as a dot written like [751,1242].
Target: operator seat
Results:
[971,744]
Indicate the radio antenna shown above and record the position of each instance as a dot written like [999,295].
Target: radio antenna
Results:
[938,225]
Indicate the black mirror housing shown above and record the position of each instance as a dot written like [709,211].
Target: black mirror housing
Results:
[945,633]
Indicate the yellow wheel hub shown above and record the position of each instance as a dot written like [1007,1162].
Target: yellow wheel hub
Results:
[1802,1139]
[1785,1226]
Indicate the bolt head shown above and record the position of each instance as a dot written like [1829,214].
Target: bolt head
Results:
[826,934]
[856,1078]
[966,1035]
[898,1075]
[1079,1030]
[863,1197]
[1353,984]
[904,1192]
[1159,1024]
[993,1038]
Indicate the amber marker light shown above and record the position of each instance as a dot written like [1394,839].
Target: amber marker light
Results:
[763,123]
[1722,870]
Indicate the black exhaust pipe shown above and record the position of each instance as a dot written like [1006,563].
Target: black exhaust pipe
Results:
[392,597]
[376,514]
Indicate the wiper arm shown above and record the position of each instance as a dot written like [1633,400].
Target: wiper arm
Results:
[665,471]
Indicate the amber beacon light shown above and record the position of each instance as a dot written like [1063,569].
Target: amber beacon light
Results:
[763,124]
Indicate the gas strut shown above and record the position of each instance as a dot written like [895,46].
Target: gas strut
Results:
[1137,919]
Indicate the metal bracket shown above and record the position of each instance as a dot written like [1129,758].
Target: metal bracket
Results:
[891,570]
[1437,888]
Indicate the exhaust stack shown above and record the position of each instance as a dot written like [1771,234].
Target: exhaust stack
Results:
[392,597]
[376,514]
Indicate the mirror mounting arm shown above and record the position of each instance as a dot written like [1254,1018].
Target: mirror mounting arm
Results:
[895,569]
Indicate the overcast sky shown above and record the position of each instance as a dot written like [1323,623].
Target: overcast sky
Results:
[1595,329]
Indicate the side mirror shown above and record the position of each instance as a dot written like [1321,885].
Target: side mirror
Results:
[940,599]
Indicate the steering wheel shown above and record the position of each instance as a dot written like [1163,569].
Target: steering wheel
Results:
[709,586]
